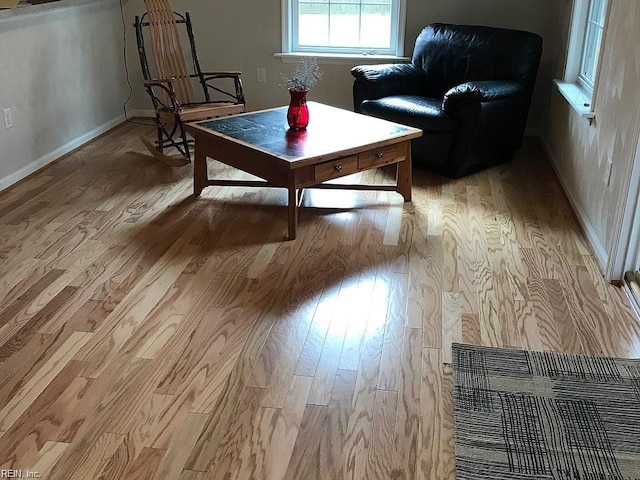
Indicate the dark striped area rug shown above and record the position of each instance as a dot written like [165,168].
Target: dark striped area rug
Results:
[532,415]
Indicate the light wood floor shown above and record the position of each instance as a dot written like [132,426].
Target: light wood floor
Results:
[146,334]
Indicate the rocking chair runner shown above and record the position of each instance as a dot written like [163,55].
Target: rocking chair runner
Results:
[171,86]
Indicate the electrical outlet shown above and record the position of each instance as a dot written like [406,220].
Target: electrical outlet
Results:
[261,75]
[8,118]
[607,172]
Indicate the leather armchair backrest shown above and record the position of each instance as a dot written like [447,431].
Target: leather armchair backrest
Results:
[454,54]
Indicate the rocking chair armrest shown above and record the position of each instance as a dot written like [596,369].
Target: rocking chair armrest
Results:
[209,78]
[166,85]
[221,74]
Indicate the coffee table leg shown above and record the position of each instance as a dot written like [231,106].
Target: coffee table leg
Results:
[293,212]
[200,178]
[403,176]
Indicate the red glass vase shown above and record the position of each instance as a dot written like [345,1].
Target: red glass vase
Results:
[298,112]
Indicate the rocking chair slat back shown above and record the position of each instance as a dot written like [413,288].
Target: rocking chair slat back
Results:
[167,48]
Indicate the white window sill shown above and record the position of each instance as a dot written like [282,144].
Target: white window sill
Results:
[576,97]
[341,58]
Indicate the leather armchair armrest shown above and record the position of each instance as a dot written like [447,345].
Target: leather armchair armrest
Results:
[377,81]
[484,91]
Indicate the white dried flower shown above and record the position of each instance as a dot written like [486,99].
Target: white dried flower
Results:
[305,75]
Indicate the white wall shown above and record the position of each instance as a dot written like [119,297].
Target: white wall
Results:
[61,74]
[244,35]
[580,150]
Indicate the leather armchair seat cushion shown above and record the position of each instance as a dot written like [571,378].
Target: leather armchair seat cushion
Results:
[419,112]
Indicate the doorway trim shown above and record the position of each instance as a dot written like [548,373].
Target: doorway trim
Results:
[624,254]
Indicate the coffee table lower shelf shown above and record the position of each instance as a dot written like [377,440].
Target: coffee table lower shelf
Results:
[402,186]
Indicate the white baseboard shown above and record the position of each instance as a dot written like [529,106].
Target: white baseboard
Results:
[37,164]
[600,252]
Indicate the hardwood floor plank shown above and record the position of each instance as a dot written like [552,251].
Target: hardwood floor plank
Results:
[467,288]
[92,462]
[362,296]
[446,466]
[234,454]
[34,387]
[30,327]
[475,229]
[18,367]
[145,465]
[435,218]
[390,361]
[418,278]
[490,329]
[218,422]
[471,329]
[219,363]
[407,422]
[305,458]
[287,425]
[339,409]
[129,314]
[207,333]
[263,258]
[394,222]
[11,311]
[432,317]
[88,317]
[285,370]
[192,475]
[382,452]
[27,436]
[505,297]
[568,341]
[514,270]
[99,403]
[268,360]
[317,334]
[451,323]
[450,249]
[344,313]
[178,452]
[528,326]
[359,426]
[49,455]
[23,277]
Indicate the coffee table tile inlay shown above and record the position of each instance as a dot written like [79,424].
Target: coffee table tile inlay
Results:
[336,143]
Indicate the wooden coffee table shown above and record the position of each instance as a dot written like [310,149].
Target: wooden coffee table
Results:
[336,143]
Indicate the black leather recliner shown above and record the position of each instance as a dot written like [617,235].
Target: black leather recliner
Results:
[467,87]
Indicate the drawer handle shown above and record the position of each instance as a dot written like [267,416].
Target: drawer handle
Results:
[338,168]
[379,155]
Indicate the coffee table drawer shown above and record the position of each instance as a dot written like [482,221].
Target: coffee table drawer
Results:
[336,168]
[381,156]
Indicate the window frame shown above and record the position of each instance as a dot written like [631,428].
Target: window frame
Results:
[290,44]
[583,80]
[579,90]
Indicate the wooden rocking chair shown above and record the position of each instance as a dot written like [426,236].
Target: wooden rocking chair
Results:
[171,86]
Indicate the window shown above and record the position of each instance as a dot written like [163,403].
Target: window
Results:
[585,45]
[344,26]
[592,41]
